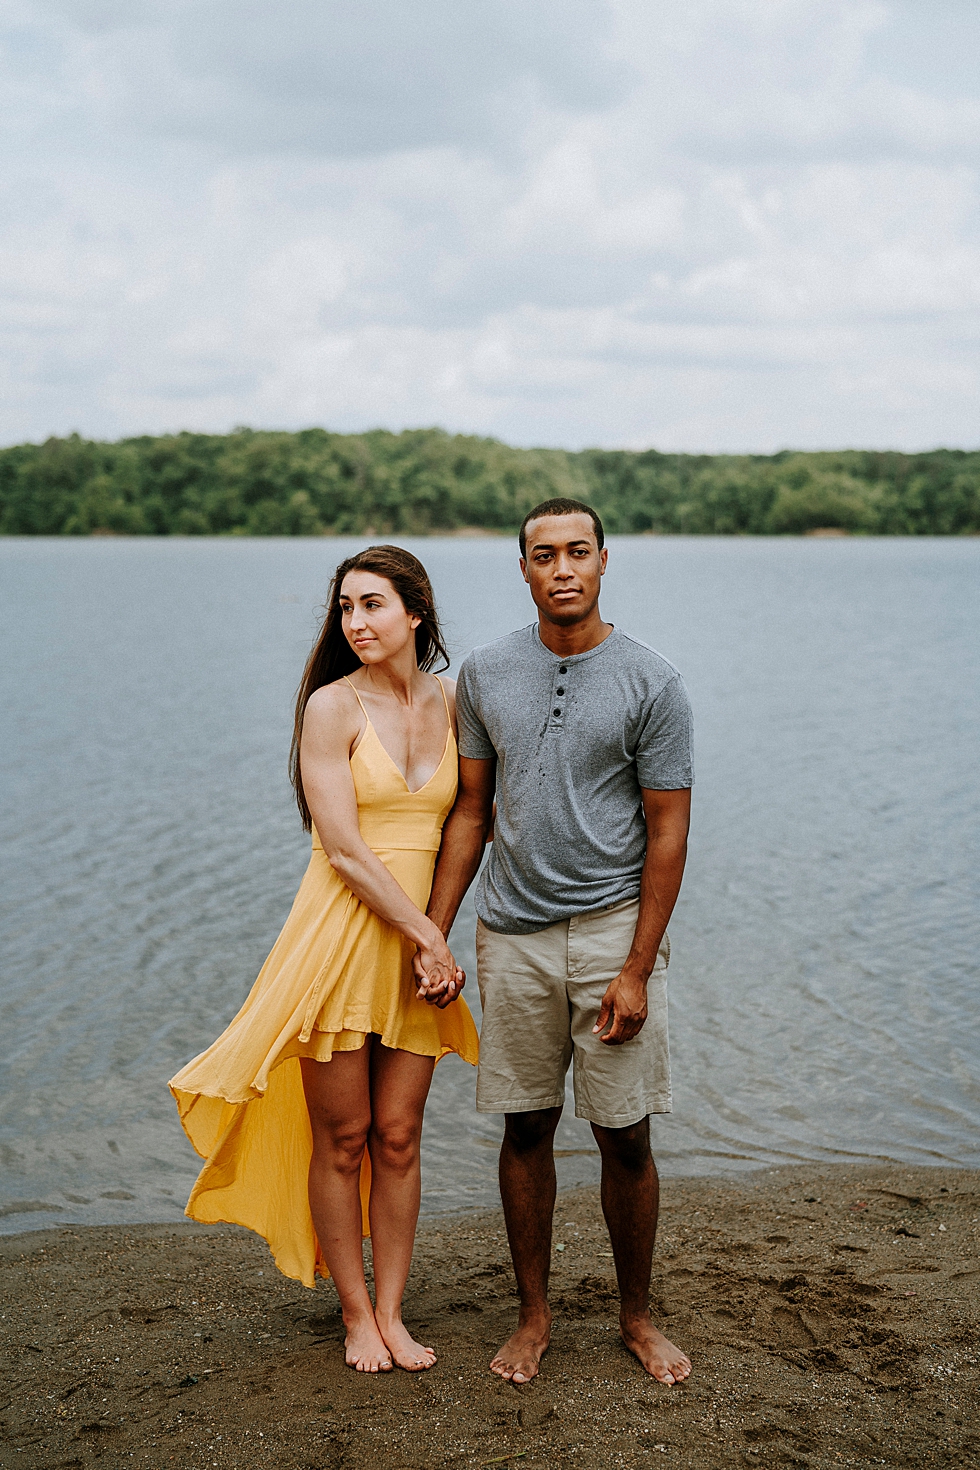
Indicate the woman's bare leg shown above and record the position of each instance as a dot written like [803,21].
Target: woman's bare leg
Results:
[399,1086]
[338,1097]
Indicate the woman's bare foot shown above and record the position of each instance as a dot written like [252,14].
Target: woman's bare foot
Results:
[365,1348]
[407,1353]
[520,1357]
[654,1352]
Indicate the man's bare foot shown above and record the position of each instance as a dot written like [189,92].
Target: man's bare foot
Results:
[654,1352]
[520,1357]
[365,1348]
[407,1353]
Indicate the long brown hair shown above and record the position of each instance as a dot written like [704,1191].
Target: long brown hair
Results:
[332,656]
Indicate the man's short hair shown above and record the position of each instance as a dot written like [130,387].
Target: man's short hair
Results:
[560,506]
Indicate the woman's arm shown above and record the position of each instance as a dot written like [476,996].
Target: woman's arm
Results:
[331,725]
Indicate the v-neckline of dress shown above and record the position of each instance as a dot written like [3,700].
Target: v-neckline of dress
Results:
[394,764]
[387,753]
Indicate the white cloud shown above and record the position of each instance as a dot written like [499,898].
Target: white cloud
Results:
[706,224]
[343,77]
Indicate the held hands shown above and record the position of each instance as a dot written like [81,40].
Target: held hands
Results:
[440,978]
[623,1010]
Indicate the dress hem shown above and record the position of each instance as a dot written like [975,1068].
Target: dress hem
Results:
[255,1094]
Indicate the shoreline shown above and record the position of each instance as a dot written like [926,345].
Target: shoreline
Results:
[45,1215]
[831,1313]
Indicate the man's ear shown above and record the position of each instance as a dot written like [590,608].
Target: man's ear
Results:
[603,559]
[524,571]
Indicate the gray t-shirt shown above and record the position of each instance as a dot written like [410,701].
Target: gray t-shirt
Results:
[575,739]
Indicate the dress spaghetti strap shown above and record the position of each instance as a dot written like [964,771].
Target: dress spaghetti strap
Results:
[359,700]
[445,699]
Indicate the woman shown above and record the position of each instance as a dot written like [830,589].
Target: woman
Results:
[308,1109]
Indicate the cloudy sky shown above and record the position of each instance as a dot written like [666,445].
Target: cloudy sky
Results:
[693,224]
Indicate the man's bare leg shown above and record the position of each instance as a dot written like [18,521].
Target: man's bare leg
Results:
[527,1187]
[630,1203]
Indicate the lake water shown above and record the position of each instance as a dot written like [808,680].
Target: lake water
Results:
[824,970]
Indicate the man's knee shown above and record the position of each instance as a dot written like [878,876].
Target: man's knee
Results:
[628,1147]
[525,1132]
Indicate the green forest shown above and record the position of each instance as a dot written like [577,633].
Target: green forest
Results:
[425,481]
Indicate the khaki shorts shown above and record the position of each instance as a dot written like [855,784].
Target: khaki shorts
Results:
[541,995]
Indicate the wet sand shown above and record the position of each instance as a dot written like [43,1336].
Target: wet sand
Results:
[831,1314]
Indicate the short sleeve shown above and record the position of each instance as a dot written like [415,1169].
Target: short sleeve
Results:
[474,742]
[664,751]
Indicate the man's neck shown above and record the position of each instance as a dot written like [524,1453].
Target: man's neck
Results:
[568,640]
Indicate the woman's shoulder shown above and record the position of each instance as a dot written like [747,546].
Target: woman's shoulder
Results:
[333,707]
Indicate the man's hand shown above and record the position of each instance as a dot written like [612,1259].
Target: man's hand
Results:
[623,1009]
[624,1005]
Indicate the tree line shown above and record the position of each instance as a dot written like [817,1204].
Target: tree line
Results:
[425,481]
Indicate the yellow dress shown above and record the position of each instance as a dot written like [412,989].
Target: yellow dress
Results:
[336,974]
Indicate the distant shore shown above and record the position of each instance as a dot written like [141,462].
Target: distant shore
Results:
[831,1313]
[428,482]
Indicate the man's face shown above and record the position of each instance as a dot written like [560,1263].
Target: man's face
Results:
[563,567]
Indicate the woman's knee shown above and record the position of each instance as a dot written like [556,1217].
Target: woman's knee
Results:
[340,1142]
[395,1143]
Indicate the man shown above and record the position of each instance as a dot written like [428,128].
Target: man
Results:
[583,734]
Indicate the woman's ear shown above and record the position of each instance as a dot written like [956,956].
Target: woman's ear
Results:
[416,622]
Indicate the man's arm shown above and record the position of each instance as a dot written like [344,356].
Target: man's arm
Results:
[464,838]
[624,1005]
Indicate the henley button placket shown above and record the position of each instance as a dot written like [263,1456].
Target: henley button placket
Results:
[556,712]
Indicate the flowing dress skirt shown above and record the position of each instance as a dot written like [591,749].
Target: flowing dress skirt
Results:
[336,974]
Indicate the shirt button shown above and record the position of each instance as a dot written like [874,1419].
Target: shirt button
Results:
[563,669]
[557,711]
[561,691]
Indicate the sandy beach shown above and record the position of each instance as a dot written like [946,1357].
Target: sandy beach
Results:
[831,1314]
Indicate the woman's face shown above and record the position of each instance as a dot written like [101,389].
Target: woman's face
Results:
[375,622]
